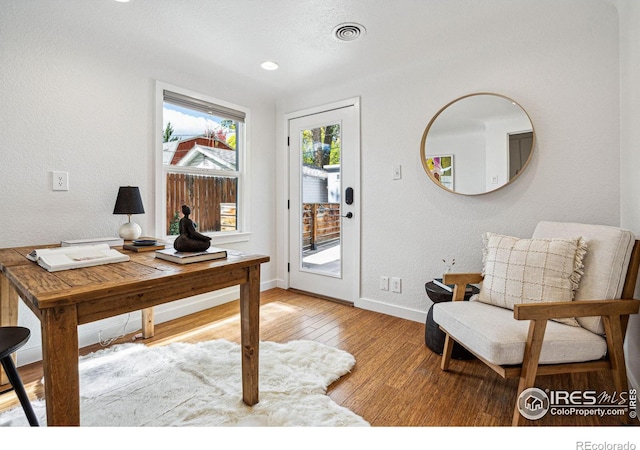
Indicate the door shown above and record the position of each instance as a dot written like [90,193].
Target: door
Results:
[323,203]
[519,150]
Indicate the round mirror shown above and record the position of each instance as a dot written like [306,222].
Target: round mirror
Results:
[477,144]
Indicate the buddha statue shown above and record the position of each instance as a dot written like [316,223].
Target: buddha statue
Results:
[190,240]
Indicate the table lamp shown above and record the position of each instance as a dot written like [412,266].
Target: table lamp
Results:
[129,202]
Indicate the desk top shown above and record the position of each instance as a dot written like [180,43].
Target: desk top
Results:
[144,275]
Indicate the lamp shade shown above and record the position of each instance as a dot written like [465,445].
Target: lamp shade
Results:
[128,201]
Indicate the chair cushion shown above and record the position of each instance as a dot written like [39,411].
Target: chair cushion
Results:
[492,333]
[605,264]
[531,271]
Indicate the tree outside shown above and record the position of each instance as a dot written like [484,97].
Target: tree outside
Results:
[321,146]
[167,134]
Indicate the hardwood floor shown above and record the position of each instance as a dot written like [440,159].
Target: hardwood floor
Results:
[396,381]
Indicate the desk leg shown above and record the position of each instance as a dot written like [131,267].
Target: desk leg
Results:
[8,313]
[60,364]
[148,328]
[250,334]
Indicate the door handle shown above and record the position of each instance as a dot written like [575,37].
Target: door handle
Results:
[348,196]
[349,215]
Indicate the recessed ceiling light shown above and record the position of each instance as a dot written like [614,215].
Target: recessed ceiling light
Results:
[269,65]
[122,1]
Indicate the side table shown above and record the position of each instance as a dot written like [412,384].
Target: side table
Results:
[433,335]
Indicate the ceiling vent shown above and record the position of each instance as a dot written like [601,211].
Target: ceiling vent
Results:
[349,31]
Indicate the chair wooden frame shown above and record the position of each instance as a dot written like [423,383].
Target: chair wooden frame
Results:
[615,314]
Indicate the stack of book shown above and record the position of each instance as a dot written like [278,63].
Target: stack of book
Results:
[171,254]
[144,245]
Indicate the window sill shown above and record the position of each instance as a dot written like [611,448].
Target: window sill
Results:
[229,238]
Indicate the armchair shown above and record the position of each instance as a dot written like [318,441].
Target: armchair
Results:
[525,338]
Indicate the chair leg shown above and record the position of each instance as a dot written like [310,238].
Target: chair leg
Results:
[447,351]
[18,387]
[529,364]
[615,338]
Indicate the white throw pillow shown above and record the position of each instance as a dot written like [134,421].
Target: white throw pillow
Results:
[531,271]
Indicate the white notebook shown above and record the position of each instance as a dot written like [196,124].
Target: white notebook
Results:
[74,257]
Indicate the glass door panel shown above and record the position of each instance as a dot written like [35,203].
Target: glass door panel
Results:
[320,186]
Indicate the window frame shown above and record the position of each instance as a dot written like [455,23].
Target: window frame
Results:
[242,232]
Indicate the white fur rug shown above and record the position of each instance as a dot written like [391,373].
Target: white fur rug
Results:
[200,385]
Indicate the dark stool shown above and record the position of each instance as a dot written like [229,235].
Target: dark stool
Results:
[11,339]
[433,335]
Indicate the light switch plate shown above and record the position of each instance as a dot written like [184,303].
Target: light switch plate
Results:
[397,171]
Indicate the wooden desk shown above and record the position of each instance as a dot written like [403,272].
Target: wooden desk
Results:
[63,300]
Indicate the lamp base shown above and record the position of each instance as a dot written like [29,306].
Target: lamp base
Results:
[130,231]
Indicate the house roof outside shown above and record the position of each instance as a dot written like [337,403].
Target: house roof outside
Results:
[309,171]
[209,158]
[199,151]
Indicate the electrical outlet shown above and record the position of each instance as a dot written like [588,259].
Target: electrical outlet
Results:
[396,285]
[384,283]
[60,181]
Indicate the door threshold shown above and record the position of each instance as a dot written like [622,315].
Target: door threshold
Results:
[322,297]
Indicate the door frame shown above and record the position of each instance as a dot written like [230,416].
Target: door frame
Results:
[286,186]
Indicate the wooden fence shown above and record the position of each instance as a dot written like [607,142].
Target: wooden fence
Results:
[203,194]
[320,224]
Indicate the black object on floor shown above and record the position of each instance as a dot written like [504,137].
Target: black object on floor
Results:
[11,339]
[433,335]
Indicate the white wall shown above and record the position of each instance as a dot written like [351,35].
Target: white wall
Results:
[561,63]
[630,154]
[87,108]
[563,72]
[83,107]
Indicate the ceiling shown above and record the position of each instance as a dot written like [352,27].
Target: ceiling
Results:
[235,36]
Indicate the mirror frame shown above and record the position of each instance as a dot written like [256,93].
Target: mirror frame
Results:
[423,156]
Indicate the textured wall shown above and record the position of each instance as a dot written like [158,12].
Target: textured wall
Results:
[83,107]
[574,67]
[560,62]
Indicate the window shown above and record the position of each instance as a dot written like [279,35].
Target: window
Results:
[202,162]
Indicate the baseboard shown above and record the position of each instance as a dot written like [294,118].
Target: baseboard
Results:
[391,310]
[376,306]
[91,333]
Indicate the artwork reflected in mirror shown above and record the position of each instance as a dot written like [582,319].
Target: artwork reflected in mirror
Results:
[489,136]
[441,168]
